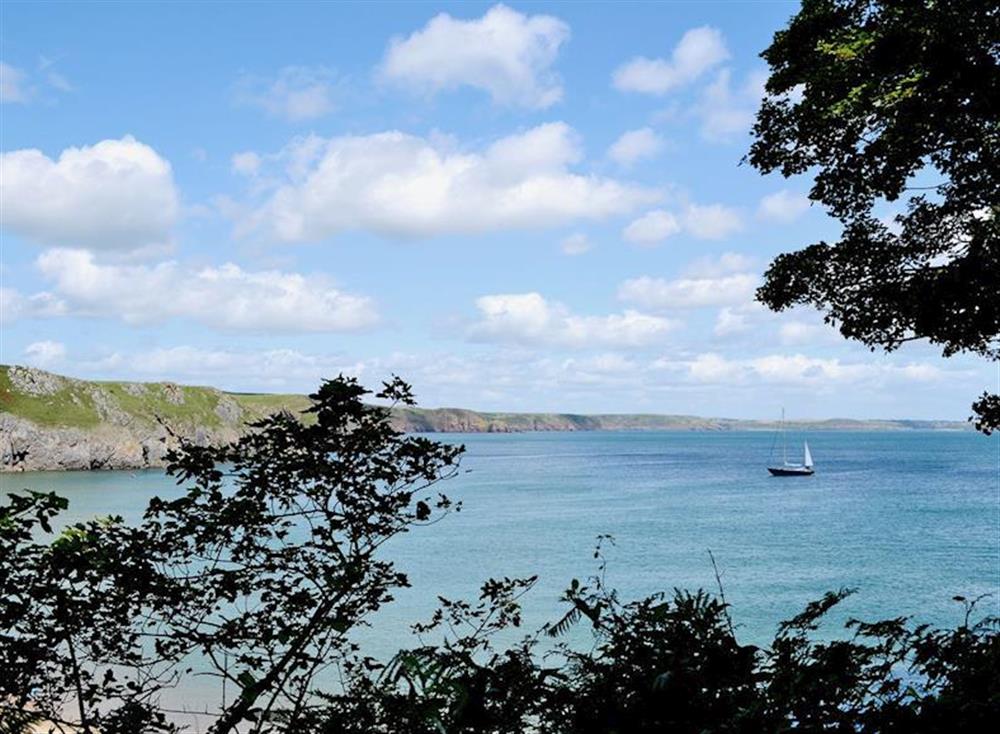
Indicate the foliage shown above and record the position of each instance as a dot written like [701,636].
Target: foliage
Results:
[254,576]
[673,663]
[885,101]
[258,570]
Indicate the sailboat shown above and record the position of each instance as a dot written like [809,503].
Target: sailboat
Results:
[786,468]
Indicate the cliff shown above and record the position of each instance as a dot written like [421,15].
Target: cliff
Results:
[55,422]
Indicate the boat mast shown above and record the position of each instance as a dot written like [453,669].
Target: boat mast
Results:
[784,440]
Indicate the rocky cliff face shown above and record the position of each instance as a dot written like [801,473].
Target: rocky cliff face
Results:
[49,422]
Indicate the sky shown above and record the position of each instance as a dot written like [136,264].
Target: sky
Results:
[524,206]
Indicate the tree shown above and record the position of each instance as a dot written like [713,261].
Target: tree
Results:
[673,663]
[254,576]
[886,101]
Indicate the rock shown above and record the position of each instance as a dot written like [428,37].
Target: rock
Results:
[135,389]
[107,407]
[173,393]
[228,410]
[32,381]
[109,446]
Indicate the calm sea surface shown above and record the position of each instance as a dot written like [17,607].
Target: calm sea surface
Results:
[910,518]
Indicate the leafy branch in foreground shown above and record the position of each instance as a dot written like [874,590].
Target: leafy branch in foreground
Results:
[252,577]
[881,101]
[672,663]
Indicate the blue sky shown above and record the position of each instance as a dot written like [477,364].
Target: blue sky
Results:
[533,206]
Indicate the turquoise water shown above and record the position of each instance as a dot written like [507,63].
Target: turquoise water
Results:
[911,519]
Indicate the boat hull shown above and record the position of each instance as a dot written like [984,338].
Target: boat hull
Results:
[790,471]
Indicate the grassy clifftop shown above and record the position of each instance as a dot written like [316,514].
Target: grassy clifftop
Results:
[53,401]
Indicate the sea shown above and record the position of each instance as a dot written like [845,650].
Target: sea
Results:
[910,519]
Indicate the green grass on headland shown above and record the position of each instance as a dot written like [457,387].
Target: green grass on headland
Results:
[50,400]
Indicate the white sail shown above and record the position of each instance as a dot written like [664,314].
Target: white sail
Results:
[807,461]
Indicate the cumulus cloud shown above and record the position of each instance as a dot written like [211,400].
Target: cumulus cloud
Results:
[725,280]
[658,293]
[726,112]
[509,378]
[295,94]
[505,53]
[652,228]
[711,221]
[225,297]
[738,319]
[807,333]
[270,368]
[115,195]
[15,306]
[713,267]
[799,369]
[705,222]
[698,51]
[576,244]
[12,84]
[530,319]
[406,186]
[45,353]
[246,163]
[782,206]
[635,145]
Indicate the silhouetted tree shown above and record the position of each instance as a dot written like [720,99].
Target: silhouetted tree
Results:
[673,663]
[256,574]
[258,570]
[884,100]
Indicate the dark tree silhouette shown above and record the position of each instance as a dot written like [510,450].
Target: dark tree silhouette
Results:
[884,101]
[253,576]
[673,663]
[256,574]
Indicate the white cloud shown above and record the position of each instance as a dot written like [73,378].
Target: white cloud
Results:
[713,267]
[575,244]
[705,222]
[727,113]
[510,378]
[608,363]
[45,353]
[528,318]
[15,306]
[799,369]
[402,185]
[224,297]
[246,163]
[296,93]
[782,206]
[635,145]
[12,84]
[807,333]
[505,53]
[657,293]
[115,195]
[730,321]
[274,368]
[652,228]
[711,221]
[699,50]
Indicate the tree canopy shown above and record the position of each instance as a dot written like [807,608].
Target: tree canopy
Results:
[892,106]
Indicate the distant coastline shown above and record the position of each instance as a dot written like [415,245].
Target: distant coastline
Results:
[63,423]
